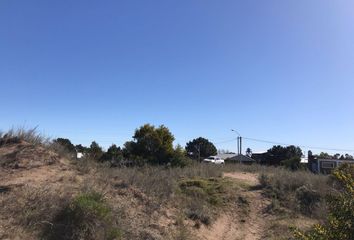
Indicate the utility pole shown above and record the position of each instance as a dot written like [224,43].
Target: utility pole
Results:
[239,142]
[240,145]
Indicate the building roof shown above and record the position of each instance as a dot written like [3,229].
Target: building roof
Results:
[242,158]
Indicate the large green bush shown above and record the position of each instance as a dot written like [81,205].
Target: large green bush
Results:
[153,144]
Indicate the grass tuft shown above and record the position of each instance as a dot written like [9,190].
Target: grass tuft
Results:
[15,135]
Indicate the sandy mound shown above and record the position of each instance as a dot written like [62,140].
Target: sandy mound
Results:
[20,154]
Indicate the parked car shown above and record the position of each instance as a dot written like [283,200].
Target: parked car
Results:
[214,160]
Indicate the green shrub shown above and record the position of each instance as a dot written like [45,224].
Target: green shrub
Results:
[340,221]
[158,181]
[87,216]
[89,205]
[210,190]
[205,197]
[179,158]
[307,199]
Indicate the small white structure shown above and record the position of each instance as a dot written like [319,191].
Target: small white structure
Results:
[304,159]
[79,155]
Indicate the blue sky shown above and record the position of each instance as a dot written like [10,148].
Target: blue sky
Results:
[96,70]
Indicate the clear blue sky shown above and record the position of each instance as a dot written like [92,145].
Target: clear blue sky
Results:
[96,70]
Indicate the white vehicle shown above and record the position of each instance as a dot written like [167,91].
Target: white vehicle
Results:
[214,160]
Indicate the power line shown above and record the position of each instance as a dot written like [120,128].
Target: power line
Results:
[303,146]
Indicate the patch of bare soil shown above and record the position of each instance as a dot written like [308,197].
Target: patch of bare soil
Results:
[249,178]
[36,176]
[233,225]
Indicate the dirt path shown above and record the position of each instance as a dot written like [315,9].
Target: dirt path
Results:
[229,226]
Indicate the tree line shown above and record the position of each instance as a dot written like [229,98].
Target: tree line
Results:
[150,145]
[154,145]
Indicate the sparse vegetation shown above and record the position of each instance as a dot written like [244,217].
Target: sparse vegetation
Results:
[299,191]
[182,231]
[159,182]
[204,198]
[211,191]
[93,198]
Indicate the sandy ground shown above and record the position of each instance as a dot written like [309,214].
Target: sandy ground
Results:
[250,178]
[43,174]
[229,226]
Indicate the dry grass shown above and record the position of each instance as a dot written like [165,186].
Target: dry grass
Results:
[127,203]
[299,191]
[252,168]
[159,182]
[182,232]
[198,192]
[61,150]
[297,198]
[34,138]
[31,209]
[86,216]
[31,135]
[204,199]
[26,155]
[73,212]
